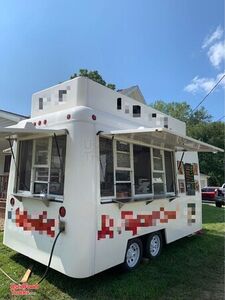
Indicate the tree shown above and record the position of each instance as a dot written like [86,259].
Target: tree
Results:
[183,112]
[94,75]
[211,164]
[200,127]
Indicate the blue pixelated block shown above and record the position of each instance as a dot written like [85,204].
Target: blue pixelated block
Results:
[9,215]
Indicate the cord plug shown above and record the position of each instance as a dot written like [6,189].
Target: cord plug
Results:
[62,226]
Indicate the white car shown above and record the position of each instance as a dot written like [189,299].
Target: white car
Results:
[223,188]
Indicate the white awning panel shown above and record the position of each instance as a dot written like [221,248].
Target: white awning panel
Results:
[28,130]
[162,137]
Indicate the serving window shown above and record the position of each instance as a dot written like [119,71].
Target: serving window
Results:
[142,170]
[41,165]
[106,167]
[132,171]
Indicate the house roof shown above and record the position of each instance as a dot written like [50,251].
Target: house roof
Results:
[133,92]
[12,116]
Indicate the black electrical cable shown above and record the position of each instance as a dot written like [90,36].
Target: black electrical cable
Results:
[50,258]
[220,119]
[181,160]
[209,93]
[11,149]
[58,152]
[49,262]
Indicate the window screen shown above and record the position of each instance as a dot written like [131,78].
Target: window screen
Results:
[41,151]
[25,165]
[157,159]
[158,181]
[123,190]
[142,170]
[106,167]
[7,163]
[169,169]
[123,154]
[57,170]
[48,168]
[122,175]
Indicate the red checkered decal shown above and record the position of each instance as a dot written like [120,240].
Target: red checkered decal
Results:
[107,228]
[132,224]
[41,224]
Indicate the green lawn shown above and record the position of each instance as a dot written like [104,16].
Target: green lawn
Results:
[191,268]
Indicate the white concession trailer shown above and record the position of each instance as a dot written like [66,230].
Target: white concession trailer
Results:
[114,175]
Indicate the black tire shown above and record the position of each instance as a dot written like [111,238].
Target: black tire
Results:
[131,261]
[154,245]
[218,204]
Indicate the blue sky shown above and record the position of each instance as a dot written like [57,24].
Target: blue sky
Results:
[173,49]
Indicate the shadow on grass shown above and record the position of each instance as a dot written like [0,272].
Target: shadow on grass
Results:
[184,268]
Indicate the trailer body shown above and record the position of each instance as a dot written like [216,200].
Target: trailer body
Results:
[119,168]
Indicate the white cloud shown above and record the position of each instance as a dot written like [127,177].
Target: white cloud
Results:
[203,84]
[216,35]
[199,84]
[216,54]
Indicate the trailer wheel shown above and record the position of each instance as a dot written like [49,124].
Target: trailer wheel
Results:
[154,245]
[133,254]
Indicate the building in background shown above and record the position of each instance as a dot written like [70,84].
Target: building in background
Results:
[133,92]
[6,119]
[204,180]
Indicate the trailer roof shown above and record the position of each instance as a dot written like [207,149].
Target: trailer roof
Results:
[162,137]
[28,130]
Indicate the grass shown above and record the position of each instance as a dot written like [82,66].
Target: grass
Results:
[191,268]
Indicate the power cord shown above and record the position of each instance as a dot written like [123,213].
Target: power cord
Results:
[9,276]
[62,229]
[50,258]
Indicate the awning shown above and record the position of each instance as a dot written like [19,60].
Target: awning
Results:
[162,137]
[28,130]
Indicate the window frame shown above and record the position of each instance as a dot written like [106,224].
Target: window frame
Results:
[116,168]
[151,170]
[174,173]
[34,166]
[39,166]
[109,199]
[162,152]
[113,196]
